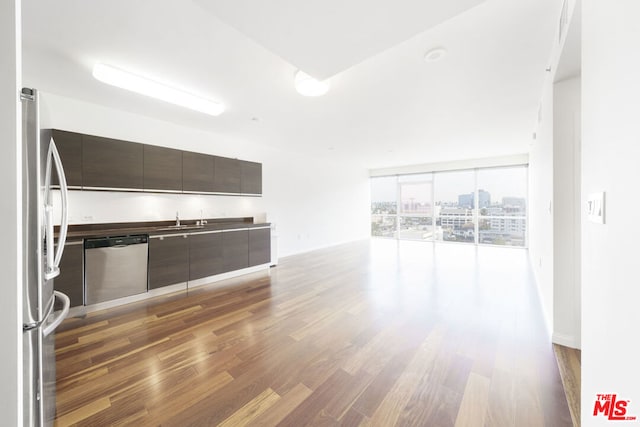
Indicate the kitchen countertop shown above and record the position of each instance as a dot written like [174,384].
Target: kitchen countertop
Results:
[87,231]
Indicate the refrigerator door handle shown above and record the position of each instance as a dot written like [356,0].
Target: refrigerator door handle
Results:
[60,317]
[53,261]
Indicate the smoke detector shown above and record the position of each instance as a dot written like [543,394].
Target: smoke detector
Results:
[435,54]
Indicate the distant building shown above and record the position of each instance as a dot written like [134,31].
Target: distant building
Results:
[467,200]
[455,218]
[514,204]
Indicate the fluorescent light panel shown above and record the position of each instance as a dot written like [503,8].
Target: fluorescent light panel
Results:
[144,86]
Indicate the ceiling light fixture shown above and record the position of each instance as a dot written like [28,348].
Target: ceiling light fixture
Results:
[308,86]
[153,89]
[435,54]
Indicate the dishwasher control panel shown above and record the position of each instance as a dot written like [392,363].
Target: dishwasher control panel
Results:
[105,242]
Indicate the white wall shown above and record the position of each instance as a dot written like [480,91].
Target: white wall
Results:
[610,159]
[541,206]
[566,212]
[313,202]
[10,214]
[554,193]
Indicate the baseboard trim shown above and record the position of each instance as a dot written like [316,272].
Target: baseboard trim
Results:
[565,340]
[178,287]
[218,277]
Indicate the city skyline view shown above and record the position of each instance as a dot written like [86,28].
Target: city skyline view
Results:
[442,206]
[449,183]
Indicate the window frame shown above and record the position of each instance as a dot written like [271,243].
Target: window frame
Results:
[475,216]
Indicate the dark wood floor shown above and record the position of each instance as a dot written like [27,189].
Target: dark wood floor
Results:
[373,333]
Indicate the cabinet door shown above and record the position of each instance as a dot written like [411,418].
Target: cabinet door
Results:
[70,149]
[227,173]
[70,281]
[197,172]
[251,178]
[205,255]
[162,168]
[259,246]
[236,249]
[168,260]
[111,163]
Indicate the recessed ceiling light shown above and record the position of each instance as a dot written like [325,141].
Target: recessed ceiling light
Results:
[153,89]
[435,54]
[308,86]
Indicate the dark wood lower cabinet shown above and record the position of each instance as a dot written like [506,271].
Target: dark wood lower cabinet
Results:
[70,281]
[205,255]
[235,249]
[168,260]
[259,246]
[177,258]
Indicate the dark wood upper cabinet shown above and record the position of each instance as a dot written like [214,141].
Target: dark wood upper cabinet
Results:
[235,246]
[70,149]
[197,172]
[162,168]
[111,163]
[93,162]
[259,246]
[70,281]
[227,175]
[168,261]
[251,178]
[205,255]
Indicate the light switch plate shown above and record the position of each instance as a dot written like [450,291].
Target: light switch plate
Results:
[596,207]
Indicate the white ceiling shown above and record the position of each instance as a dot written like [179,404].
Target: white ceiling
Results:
[326,37]
[386,107]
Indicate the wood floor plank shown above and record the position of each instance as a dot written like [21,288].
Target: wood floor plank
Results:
[375,393]
[569,364]
[473,409]
[395,402]
[501,409]
[252,410]
[330,401]
[371,333]
[84,412]
[283,407]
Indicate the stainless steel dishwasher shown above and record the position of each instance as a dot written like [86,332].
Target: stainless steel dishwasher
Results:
[115,267]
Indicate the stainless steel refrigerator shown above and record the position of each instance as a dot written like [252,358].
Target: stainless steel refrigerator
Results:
[41,260]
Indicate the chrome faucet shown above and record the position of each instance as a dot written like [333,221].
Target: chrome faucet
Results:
[177,219]
[202,220]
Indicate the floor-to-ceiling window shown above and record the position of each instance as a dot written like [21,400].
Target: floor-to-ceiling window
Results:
[481,206]
[455,206]
[415,216]
[503,220]
[384,206]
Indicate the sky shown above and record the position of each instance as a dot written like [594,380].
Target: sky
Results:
[499,182]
